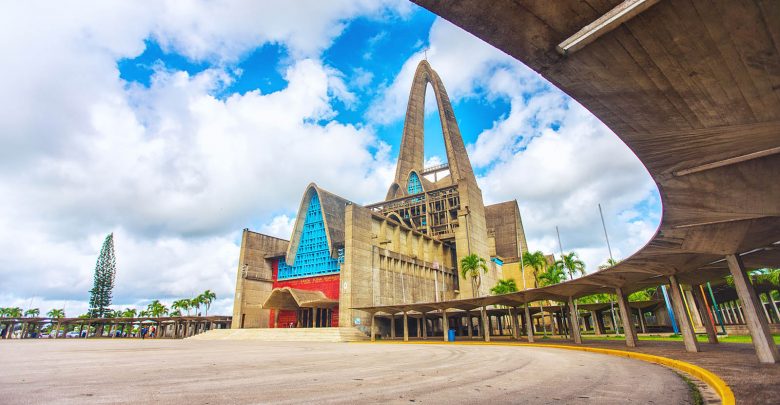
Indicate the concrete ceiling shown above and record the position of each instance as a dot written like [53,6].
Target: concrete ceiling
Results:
[693,88]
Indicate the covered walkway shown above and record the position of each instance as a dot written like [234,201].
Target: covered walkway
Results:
[691,89]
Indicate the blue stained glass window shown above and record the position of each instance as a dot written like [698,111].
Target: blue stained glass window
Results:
[313,254]
[413,185]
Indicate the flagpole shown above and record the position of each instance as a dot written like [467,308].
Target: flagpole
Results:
[612,261]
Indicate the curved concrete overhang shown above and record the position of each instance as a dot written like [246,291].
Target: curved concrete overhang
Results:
[292,298]
[694,90]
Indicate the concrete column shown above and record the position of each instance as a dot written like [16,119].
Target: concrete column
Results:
[445,324]
[641,313]
[515,323]
[276,318]
[712,335]
[575,322]
[468,324]
[425,327]
[529,330]
[766,349]
[419,327]
[392,326]
[628,324]
[406,328]
[683,321]
[486,323]
[693,306]
[373,327]
[598,323]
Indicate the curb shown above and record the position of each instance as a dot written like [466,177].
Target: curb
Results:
[710,378]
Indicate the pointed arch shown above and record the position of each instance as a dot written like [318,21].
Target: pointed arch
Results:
[313,221]
[411,155]
[414,183]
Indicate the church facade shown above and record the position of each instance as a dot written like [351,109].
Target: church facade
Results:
[405,249]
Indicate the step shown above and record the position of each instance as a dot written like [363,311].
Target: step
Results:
[285,334]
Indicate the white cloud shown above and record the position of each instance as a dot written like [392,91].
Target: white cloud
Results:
[462,60]
[173,170]
[281,226]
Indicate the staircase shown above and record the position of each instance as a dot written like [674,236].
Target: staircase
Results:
[285,335]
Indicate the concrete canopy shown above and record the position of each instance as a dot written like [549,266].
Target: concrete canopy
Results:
[293,298]
[693,92]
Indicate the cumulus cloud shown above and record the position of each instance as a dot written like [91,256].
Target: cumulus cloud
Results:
[171,168]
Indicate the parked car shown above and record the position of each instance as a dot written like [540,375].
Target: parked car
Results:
[72,334]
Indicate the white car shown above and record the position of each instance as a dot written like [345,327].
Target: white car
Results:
[72,334]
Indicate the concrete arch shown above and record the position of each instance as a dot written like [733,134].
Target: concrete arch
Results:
[411,155]
[300,219]
[394,192]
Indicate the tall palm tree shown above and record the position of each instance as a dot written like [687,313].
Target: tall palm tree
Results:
[208,297]
[196,303]
[157,309]
[187,305]
[56,314]
[471,267]
[610,262]
[183,304]
[175,313]
[127,313]
[572,264]
[504,287]
[554,274]
[536,261]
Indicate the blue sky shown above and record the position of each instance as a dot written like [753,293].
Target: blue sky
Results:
[176,125]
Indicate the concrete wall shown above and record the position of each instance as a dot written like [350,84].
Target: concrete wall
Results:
[251,291]
[388,263]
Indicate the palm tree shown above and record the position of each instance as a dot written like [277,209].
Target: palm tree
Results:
[504,287]
[470,267]
[157,309]
[57,314]
[572,263]
[175,313]
[196,303]
[183,304]
[128,313]
[554,274]
[536,261]
[208,297]
[610,262]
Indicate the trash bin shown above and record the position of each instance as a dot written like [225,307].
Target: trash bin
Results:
[451,335]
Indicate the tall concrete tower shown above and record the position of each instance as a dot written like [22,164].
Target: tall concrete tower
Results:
[442,201]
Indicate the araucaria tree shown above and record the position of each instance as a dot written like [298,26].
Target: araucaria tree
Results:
[105,271]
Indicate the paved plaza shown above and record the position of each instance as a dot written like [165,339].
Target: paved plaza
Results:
[212,372]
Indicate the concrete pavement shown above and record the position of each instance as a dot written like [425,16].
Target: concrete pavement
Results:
[193,372]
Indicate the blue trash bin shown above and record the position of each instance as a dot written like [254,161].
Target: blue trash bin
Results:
[451,335]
